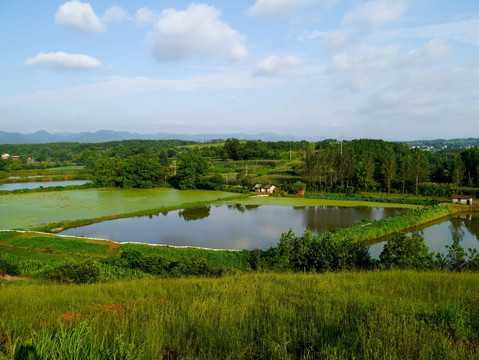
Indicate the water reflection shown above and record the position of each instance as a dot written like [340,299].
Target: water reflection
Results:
[457,230]
[462,229]
[195,213]
[229,227]
[38,184]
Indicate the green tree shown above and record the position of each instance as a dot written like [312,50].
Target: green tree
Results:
[192,168]
[106,172]
[142,170]
[233,149]
[419,168]
[389,170]
[458,173]
[404,172]
[406,252]
[298,186]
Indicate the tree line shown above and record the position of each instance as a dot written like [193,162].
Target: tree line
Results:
[377,165]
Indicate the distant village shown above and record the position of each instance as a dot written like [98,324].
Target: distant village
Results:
[6,156]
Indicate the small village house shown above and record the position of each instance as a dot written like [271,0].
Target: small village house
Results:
[264,189]
[5,156]
[462,199]
[269,189]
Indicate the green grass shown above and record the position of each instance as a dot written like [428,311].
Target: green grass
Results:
[62,168]
[49,249]
[374,315]
[299,201]
[239,260]
[59,244]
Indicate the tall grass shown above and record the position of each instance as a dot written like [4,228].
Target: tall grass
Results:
[390,315]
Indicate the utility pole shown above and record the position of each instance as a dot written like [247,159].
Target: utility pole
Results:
[246,169]
[174,164]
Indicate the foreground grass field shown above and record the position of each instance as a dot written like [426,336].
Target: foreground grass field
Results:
[373,315]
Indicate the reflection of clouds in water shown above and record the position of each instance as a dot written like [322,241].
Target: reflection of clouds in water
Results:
[224,228]
[270,231]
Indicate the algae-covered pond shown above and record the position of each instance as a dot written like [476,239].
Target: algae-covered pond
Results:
[32,209]
[233,226]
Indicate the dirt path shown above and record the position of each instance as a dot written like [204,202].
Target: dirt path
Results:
[11,278]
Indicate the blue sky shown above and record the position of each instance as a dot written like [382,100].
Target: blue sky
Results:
[390,69]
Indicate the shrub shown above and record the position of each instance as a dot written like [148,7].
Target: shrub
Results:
[82,273]
[194,265]
[405,252]
[8,267]
[325,252]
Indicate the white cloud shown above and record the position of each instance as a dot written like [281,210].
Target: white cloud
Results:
[115,14]
[274,65]
[197,30]
[336,40]
[428,100]
[144,16]
[78,16]
[364,68]
[466,31]
[61,60]
[372,14]
[434,50]
[274,8]
[364,59]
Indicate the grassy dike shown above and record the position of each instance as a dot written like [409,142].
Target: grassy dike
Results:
[370,315]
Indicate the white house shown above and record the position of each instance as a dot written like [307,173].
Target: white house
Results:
[462,199]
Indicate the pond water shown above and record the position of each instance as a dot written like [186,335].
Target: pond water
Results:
[26,177]
[37,184]
[230,226]
[462,228]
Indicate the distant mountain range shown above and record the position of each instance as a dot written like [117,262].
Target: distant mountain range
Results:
[43,137]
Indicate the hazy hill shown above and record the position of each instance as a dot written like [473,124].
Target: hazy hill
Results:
[42,137]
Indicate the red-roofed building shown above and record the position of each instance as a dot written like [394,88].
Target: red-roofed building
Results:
[462,199]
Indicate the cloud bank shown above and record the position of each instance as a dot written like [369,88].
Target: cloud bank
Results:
[273,65]
[197,30]
[78,16]
[61,60]
[275,8]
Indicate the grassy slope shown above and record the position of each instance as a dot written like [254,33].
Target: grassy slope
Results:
[393,315]
[45,249]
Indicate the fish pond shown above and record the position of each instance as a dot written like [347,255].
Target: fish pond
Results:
[233,226]
[463,229]
[33,209]
[38,184]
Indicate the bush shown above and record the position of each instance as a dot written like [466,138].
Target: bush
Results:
[83,273]
[320,253]
[8,267]
[158,265]
[405,252]
[457,259]
[194,265]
